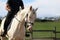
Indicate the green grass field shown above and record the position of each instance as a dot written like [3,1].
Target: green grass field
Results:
[46,26]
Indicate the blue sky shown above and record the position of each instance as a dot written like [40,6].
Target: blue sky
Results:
[46,8]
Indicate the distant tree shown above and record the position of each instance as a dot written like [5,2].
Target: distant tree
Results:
[0,19]
[38,20]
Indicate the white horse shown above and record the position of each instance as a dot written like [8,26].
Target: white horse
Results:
[16,29]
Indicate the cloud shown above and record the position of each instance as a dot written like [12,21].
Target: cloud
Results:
[3,12]
[46,8]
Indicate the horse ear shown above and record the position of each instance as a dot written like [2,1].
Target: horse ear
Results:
[36,9]
[30,7]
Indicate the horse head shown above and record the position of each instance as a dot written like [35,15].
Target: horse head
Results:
[31,16]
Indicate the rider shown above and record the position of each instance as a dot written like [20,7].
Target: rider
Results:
[13,7]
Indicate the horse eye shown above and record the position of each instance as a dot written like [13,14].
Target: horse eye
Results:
[27,14]
[33,12]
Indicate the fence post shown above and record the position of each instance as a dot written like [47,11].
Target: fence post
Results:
[31,36]
[55,33]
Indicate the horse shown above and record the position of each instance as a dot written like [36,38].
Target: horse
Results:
[16,29]
[29,23]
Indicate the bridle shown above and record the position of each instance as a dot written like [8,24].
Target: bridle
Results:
[30,23]
[17,19]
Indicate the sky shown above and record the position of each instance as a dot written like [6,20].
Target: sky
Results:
[46,8]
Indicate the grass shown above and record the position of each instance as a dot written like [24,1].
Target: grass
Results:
[46,26]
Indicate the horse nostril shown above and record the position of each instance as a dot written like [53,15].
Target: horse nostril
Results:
[29,17]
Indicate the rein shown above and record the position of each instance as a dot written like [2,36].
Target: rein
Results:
[30,23]
[17,19]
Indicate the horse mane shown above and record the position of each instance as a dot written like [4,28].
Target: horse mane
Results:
[22,14]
